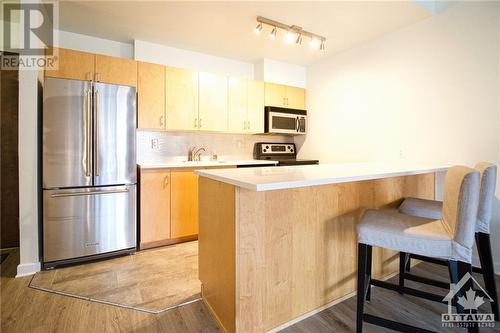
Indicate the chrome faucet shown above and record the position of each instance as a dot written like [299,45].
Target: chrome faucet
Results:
[194,154]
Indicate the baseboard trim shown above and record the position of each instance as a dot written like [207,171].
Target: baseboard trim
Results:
[28,269]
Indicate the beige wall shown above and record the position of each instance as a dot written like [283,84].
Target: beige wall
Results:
[428,92]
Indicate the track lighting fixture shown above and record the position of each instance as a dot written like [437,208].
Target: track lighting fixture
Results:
[293,32]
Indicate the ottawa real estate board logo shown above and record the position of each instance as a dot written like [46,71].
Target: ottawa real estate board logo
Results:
[469,300]
[29,34]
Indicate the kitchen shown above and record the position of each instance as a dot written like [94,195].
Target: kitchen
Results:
[179,152]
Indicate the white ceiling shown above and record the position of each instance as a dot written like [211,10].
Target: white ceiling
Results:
[226,28]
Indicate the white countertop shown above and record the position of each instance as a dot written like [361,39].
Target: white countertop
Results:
[276,178]
[201,164]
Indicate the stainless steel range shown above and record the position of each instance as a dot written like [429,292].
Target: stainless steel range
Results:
[89,170]
[284,153]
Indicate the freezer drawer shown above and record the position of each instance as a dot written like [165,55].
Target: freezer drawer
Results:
[89,221]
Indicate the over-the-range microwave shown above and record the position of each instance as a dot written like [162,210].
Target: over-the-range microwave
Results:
[284,121]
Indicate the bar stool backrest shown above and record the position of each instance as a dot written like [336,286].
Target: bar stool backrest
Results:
[488,173]
[461,197]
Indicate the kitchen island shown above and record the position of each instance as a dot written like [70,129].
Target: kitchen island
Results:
[277,244]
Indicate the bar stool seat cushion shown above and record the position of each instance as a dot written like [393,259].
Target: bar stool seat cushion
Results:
[389,229]
[431,209]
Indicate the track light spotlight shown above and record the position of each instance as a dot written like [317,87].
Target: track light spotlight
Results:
[258,28]
[322,46]
[299,39]
[314,43]
[273,33]
[289,37]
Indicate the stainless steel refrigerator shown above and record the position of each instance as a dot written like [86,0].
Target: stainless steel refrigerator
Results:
[88,170]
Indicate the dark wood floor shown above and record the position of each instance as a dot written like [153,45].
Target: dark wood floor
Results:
[27,310]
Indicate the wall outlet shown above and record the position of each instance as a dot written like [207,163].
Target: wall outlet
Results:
[154,144]
[238,143]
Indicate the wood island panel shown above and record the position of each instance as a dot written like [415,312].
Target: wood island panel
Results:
[296,249]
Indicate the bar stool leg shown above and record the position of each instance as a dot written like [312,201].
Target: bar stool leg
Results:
[368,272]
[457,271]
[408,263]
[362,263]
[484,250]
[403,257]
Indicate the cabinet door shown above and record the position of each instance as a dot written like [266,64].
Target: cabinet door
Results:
[154,205]
[115,70]
[181,98]
[213,102]
[151,96]
[74,65]
[255,118]
[295,98]
[184,214]
[275,94]
[237,105]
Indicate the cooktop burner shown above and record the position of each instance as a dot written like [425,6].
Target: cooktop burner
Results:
[284,153]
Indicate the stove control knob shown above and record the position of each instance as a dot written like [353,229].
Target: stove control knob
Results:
[265,150]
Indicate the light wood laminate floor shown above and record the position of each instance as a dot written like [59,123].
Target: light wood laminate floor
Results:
[153,280]
[24,309]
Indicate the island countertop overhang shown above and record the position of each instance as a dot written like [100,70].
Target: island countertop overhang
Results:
[278,178]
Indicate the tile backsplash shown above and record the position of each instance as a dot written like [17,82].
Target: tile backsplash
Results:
[167,146]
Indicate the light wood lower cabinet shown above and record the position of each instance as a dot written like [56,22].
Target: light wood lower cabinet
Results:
[154,207]
[184,203]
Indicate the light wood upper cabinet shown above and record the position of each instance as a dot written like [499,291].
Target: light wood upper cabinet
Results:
[275,94]
[150,96]
[184,203]
[285,96]
[154,206]
[295,98]
[181,98]
[115,70]
[237,104]
[245,105]
[74,65]
[213,102]
[255,105]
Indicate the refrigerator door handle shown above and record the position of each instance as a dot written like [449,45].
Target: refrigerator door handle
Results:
[88,132]
[96,130]
[76,194]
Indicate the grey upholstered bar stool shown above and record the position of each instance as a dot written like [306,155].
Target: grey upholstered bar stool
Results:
[450,238]
[433,209]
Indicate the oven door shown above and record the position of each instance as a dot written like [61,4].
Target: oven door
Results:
[285,123]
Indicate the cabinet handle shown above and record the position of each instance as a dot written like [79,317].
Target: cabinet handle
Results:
[244,124]
[97,77]
[200,123]
[162,121]
[89,76]
[165,182]
[195,122]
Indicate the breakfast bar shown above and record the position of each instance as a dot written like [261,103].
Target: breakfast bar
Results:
[279,243]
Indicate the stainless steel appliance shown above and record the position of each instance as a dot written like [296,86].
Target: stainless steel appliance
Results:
[284,121]
[284,153]
[88,170]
